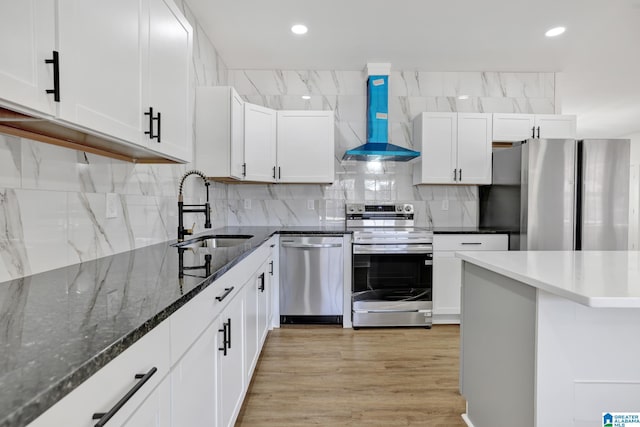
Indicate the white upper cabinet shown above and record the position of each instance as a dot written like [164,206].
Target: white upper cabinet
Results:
[27,30]
[435,135]
[259,143]
[306,149]
[100,66]
[550,126]
[167,62]
[219,148]
[474,148]
[455,148]
[519,127]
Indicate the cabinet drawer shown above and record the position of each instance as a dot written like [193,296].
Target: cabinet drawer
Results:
[105,388]
[471,242]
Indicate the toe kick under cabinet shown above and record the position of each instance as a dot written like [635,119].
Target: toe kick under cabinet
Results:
[192,369]
[447,269]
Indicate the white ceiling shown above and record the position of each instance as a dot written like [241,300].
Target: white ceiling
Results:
[598,56]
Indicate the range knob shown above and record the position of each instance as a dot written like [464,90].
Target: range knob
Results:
[408,208]
[351,209]
[360,209]
[398,208]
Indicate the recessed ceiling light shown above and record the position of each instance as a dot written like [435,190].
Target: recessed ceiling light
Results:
[299,29]
[463,97]
[306,97]
[555,31]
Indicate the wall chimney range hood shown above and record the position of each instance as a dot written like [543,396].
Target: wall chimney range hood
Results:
[378,147]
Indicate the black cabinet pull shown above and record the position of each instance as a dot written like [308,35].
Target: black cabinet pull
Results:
[151,120]
[533,132]
[271,268]
[226,293]
[104,417]
[455,172]
[279,173]
[159,135]
[56,75]
[471,243]
[244,169]
[224,339]
[460,175]
[538,132]
[274,172]
[261,287]
[229,335]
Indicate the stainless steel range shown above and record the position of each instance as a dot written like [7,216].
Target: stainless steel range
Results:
[392,266]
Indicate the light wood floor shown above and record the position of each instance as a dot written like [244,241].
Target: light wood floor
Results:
[329,376]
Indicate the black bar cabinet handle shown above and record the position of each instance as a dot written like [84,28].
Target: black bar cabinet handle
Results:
[455,172]
[56,75]
[460,174]
[538,132]
[224,339]
[104,417]
[279,172]
[150,131]
[229,336]
[271,268]
[533,132]
[244,169]
[471,243]
[226,293]
[274,172]
[159,134]
[261,287]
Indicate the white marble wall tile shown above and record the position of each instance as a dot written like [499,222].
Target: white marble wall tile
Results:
[14,260]
[542,105]
[145,223]
[48,167]
[44,228]
[549,85]
[274,212]
[10,161]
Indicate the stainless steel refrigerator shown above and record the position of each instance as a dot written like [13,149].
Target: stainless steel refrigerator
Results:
[560,194]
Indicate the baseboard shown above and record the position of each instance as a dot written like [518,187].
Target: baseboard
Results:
[466,420]
[446,319]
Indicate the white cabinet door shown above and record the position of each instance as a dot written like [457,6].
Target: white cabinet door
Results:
[435,135]
[236,150]
[251,326]
[155,410]
[231,378]
[474,148]
[219,147]
[194,383]
[259,143]
[554,126]
[27,31]
[100,66]
[306,150]
[167,63]
[264,301]
[513,127]
[447,281]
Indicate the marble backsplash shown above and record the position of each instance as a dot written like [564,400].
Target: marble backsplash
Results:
[410,93]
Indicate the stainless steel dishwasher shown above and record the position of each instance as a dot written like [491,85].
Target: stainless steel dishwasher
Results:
[311,279]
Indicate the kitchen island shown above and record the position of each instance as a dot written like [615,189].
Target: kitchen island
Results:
[549,338]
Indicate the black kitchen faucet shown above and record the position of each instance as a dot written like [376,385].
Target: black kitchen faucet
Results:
[182,208]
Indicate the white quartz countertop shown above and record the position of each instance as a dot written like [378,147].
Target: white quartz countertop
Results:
[593,278]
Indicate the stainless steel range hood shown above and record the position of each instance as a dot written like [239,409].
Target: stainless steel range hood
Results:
[378,146]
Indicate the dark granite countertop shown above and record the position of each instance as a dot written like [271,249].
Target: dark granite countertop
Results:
[471,230]
[60,327]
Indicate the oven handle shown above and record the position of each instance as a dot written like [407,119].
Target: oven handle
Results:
[379,249]
[312,246]
[391,311]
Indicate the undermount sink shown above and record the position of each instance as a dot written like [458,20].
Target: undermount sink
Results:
[215,241]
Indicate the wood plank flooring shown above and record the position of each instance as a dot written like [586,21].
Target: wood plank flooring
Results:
[329,376]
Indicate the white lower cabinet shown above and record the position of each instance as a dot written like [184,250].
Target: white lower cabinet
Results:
[231,380]
[194,382]
[447,269]
[102,392]
[251,326]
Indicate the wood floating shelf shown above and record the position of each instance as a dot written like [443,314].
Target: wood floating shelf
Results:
[56,133]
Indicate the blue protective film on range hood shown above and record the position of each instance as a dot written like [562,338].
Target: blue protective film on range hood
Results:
[377,146]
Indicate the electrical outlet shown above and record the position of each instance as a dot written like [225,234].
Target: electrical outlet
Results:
[311,204]
[111,205]
[247,203]
[445,205]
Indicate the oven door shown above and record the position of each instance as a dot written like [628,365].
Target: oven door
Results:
[392,272]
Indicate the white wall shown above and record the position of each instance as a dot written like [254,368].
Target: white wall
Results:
[634,193]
